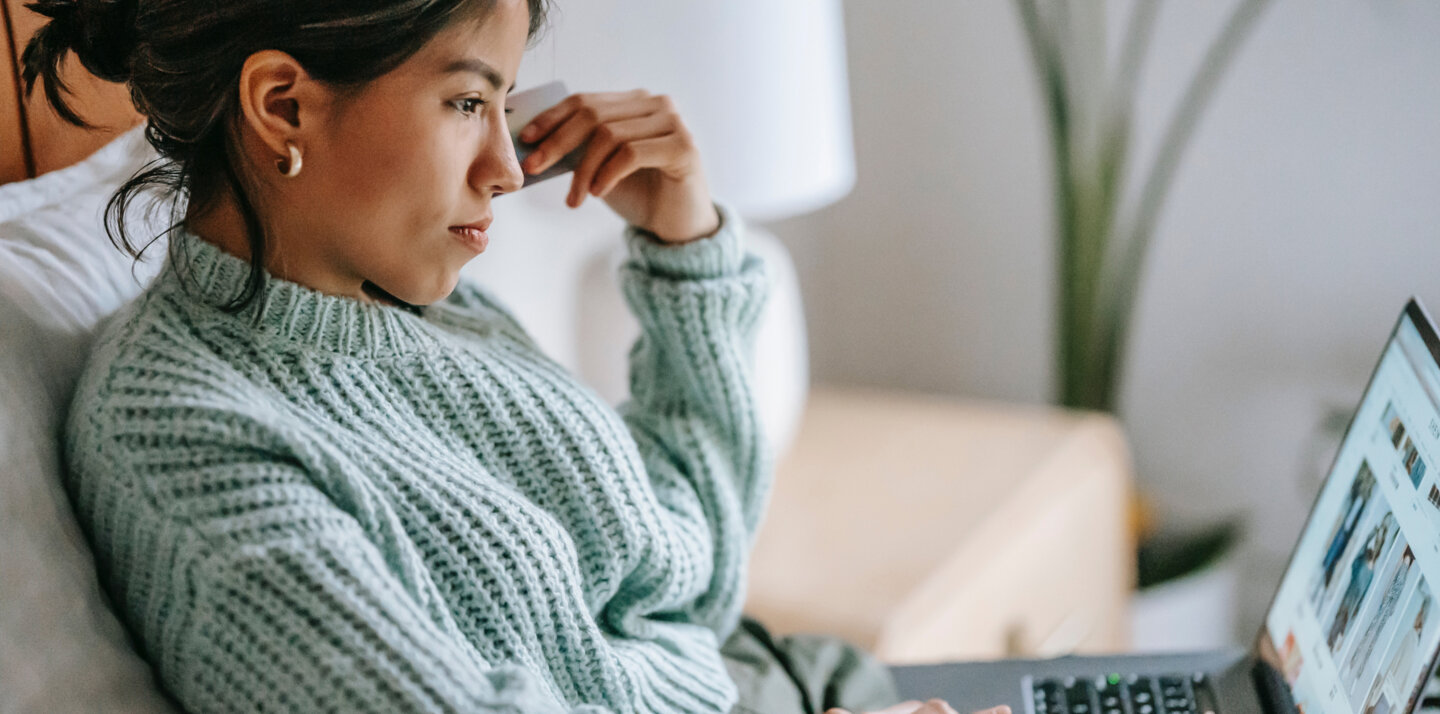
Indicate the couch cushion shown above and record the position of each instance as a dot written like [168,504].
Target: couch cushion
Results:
[61,646]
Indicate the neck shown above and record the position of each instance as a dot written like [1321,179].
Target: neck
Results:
[374,293]
[223,225]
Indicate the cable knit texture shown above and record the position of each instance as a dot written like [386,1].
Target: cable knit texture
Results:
[329,505]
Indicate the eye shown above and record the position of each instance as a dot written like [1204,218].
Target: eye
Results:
[470,103]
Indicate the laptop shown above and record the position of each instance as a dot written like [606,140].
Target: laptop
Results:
[1354,626]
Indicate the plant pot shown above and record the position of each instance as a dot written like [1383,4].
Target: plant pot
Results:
[1189,594]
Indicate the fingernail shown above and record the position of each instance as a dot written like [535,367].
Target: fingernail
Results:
[527,133]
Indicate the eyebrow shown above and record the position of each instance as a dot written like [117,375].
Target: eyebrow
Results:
[470,64]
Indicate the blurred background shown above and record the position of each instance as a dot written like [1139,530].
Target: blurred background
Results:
[1304,211]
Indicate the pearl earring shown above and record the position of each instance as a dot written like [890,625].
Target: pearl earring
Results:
[294,169]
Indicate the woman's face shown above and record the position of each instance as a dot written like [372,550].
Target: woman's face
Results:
[420,149]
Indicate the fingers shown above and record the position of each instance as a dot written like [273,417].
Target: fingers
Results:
[621,133]
[1002,709]
[936,706]
[565,126]
[933,706]
[611,147]
[907,707]
[543,123]
[633,156]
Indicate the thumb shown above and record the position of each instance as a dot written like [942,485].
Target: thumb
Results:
[901,708]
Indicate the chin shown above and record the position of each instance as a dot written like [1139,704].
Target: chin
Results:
[417,293]
[435,292]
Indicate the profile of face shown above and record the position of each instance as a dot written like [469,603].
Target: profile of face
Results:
[387,172]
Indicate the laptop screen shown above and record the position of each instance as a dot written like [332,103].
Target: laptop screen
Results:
[1355,622]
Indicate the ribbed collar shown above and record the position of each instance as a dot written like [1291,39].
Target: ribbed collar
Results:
[290,312]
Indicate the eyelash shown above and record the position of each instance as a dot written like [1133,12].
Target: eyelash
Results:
[481,102]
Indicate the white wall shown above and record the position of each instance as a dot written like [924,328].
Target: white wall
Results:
[1307,209]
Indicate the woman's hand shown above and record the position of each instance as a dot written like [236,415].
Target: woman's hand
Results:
[934,706]
[640,159]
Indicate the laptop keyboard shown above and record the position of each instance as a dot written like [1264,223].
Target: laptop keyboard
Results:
[1117,694]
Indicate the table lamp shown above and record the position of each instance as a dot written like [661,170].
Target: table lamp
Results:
[762,87]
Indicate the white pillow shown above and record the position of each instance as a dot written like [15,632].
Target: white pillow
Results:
[61,646]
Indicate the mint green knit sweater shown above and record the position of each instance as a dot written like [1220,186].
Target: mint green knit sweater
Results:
[351,507]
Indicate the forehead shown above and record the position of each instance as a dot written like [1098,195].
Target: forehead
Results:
[490,41]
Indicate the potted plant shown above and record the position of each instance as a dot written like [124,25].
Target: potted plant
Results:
[1104,229]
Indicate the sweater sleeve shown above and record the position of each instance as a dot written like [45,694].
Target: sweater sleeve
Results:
[692,408]
[320,622]
[251,590]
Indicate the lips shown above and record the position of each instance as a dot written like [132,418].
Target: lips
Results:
[475,238]
[473,234]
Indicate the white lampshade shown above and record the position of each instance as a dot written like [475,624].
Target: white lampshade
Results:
[763,88]
[761,84]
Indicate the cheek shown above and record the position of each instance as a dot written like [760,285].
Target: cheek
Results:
[375,174]
[388,157]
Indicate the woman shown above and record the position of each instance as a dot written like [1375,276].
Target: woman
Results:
[1360,491]
[1359,657]
[1400,677]
[319,471]
[1362,571]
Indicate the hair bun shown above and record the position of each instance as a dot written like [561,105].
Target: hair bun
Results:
[100,32]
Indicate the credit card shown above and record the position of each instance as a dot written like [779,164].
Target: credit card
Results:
[527,105]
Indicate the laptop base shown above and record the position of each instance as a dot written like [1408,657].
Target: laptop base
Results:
[972,686]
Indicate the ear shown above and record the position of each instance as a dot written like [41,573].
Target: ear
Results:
[278,99]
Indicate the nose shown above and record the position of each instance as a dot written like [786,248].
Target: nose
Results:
[496,169]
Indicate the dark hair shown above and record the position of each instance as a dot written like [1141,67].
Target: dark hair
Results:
[182,61]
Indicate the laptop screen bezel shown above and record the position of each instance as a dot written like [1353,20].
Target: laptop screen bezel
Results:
[1419,317]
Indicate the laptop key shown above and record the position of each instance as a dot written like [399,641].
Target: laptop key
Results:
[1143,690]
[1114,694]
[1176,695]
[1080,695]
[1111,692]
[1142,695]
[1049,697]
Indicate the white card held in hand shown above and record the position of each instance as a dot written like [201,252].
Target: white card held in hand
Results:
[527,105]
